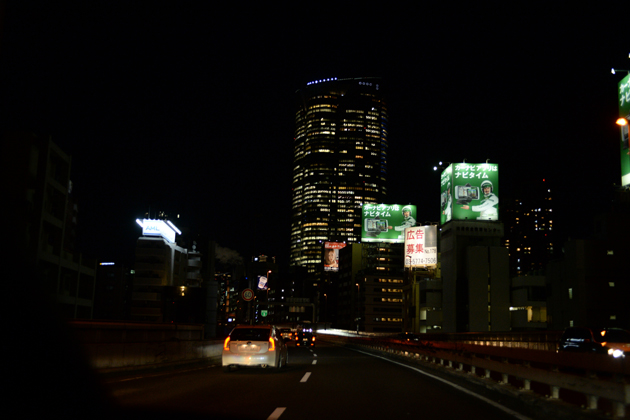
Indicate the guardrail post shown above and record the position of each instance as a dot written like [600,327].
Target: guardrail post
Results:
[473,370]
[460,367]
[504,378]
[527,384]
[592,402]
[487,373]
[555,392]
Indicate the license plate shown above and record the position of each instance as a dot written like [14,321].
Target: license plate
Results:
[248,348]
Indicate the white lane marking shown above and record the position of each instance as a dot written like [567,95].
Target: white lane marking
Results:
[305,377]
[495,404]
[314,362]
[276,413]
[314,355]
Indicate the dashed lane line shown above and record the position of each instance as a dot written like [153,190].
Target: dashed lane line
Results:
[276,413]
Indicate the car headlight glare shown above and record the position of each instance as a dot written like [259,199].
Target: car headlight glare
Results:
[616,353]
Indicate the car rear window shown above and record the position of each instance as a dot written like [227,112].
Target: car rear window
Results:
[579,333]
[250,334]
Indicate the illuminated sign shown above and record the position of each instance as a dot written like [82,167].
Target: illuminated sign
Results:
[421,246]
[262,282]
[165,229]
[386,222]
[331,255]
[624,112]
[469,191]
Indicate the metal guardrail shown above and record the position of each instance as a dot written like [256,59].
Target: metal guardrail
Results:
[597,383]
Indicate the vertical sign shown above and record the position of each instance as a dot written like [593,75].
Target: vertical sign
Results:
[421,246]
[331,255]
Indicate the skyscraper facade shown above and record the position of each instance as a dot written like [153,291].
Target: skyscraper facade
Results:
[340,162]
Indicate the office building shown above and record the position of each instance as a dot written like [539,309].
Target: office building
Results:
[529,230]
[369,295]
[340,162]
[46,223]
[475,277]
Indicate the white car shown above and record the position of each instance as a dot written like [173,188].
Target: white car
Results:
[254,346]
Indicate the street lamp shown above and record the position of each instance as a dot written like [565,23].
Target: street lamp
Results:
[325,309]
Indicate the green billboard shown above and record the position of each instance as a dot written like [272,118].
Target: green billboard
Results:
[624,112]
[386,222]
[469,191]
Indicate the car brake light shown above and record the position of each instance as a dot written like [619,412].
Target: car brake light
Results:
[272,344]
[226,344]
[313,338]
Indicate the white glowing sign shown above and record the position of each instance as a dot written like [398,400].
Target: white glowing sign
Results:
[161,228]
[421,246]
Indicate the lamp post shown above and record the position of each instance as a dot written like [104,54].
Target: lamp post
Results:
[325,309]
[358,304]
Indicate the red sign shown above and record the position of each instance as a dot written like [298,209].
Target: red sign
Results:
[248,294]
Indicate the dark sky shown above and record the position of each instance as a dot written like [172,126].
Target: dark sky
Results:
[189,109]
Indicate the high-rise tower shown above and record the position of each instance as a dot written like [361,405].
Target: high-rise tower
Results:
[340,162]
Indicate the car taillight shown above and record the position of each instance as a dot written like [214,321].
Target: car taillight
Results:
[313,339]
[272,344]
[226,344]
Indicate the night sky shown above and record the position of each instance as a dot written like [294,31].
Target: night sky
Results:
[187,109]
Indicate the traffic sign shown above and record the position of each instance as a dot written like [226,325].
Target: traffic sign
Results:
[248,294]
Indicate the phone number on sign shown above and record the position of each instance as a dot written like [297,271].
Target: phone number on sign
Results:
[422,261]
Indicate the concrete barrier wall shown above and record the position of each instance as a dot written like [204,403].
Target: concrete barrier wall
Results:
[107,357]
[113,346]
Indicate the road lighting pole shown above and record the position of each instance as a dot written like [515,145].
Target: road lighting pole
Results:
[325,309]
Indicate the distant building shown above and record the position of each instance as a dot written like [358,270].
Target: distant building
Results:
[339,163]
[475,277]
[263,277]
[48,224]
[160,267]
[168,278]
[589,285]
[370,288]
[112,299]
[528,310]
[530,236]
[227,301]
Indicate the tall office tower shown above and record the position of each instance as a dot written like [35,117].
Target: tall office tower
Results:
[529,231]
[340,162]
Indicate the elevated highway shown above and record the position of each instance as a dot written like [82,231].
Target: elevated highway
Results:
[524,365]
